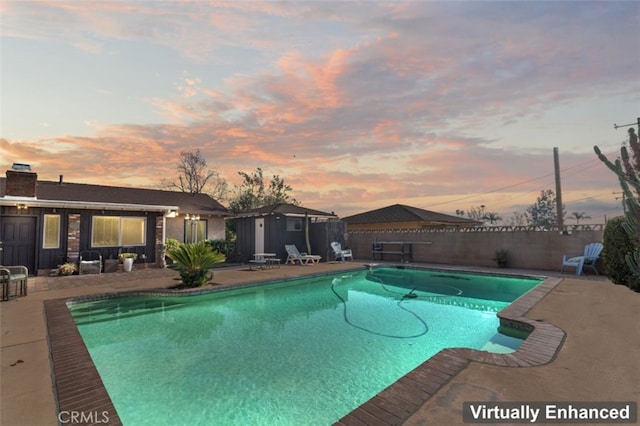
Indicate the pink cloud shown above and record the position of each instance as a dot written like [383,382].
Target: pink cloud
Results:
[381,115]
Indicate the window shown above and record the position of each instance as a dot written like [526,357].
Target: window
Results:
[294,224]
[51,231]
[118,231]
[132,231]
[197,229]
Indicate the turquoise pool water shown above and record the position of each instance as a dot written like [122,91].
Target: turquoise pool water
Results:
[303,352]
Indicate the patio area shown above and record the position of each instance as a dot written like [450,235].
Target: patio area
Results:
[597,361]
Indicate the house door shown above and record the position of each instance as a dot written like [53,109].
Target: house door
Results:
[259,236]
[18,241]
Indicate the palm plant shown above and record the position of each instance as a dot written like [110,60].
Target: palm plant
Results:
[578,216]
[193,262]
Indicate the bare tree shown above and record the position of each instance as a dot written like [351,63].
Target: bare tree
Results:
[517,219]
[195,178]
[480,214]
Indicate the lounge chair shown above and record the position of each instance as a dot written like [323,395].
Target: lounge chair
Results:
[587,260]
[294,256]
[339,253]
[16,275]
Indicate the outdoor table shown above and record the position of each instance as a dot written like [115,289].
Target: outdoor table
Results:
[265,260]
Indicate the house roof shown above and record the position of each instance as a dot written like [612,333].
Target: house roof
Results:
[402,213]
[285,210]
[81,195]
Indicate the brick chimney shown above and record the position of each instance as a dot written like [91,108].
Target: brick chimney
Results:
[21,183]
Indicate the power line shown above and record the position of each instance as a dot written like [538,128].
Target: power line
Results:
[595,161]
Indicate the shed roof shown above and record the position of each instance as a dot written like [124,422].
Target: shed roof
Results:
[86,195]
[403,213]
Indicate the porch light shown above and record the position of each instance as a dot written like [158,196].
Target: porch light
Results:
[192,220]
[21,206]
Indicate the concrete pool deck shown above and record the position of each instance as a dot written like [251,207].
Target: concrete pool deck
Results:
[598,360]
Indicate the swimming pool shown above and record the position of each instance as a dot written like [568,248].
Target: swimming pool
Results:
[300,352]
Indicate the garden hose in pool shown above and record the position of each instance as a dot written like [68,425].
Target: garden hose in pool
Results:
[410,295]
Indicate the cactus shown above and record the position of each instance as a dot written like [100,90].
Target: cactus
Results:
[628,171]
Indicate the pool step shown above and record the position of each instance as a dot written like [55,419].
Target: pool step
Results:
[109,310]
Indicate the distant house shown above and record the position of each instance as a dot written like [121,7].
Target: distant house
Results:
[268,229]
[46,223]
[399,216]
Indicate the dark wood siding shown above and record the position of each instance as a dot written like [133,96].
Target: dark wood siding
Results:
[149,250]
[245,228]
[51,258]
[276,237]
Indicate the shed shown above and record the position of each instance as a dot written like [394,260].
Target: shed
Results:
[268,229]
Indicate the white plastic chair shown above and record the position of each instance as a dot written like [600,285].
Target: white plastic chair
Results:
[340,253]
[587,260]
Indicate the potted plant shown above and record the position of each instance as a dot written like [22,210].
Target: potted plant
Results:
[68,268]
[127,260]
[501,258]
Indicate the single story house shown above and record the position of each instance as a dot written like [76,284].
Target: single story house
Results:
[46,223]
[399,216]
[268,229]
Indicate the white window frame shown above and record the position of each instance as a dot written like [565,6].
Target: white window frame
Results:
[44,231]
[188,229]
[293,223]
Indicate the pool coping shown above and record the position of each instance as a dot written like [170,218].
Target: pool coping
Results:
[79,388]
[400,400]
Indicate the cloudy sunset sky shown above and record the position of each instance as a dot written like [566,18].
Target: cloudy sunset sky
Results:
[441,105]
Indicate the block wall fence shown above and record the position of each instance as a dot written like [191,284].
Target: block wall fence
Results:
[529,247]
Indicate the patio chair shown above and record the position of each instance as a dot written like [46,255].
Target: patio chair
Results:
[339,253]
[587,260]
[90,262]
[294,255]
[16,275]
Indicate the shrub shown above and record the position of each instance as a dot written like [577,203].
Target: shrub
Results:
[617,244]
[222,246]
[123,256]
[501,258]
[68,268]
[193,262]
[171,243]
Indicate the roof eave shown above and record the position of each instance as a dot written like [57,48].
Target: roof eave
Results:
[262,214]
[34,202]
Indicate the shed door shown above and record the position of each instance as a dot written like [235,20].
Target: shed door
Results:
[18,238]
[259,236]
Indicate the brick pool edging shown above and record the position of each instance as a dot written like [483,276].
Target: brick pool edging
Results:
[77,385]
[79,388]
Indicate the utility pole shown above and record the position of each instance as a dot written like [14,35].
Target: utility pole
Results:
[621,197]
[637,123]
[556,167]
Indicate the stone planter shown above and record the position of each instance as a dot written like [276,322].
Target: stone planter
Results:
[111,265]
